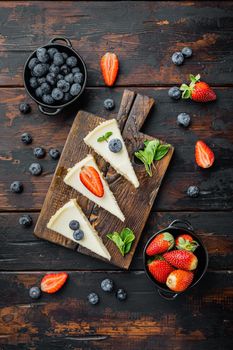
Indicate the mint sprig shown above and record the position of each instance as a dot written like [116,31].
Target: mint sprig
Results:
[123,240]
[104,137]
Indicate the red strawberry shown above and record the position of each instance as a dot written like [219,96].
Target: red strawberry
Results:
[197,90]
[90,178]
[52,282]
[179,280]
[204,155]
[160,244]
[160,269]
[109,65]
[181,259]
[186,242]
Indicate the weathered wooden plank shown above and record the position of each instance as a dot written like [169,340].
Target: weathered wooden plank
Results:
[66,319]
[156,30]
[211,122]
[21,250]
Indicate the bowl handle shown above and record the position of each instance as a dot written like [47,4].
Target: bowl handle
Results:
[42,110]
[167,296]
[68,42]
[183,222]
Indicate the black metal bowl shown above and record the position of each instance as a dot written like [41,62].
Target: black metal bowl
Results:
[55,109]
[201,253]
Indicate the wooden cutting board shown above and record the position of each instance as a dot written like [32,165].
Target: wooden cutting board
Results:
[134,203]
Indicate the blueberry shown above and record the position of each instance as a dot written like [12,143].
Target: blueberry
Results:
[24,108]
[47,99]
[33,62]
[93,298]
[41,80]
[115,145]
[121,294]
[58,59]
[54,69]
[16,187]
[52,52]
[187,52]
[25,220]
[75,89]
[183,119]
[42,55]
[39,152]
[75,70]
[74,225]
[26,138]
[45,88]
[60,77]
[69,78]
[35,169]
[78,235]
[63,85]
[51,79]
[65,69]
[109,104]
[54,153]
[40,69]
[174,92]
[72,61]
[33,82]
[193,191]
[35,292]
[65,56]
[107,285]
[39,92]
[67,97]
[177,58]
[57,94]
[78,78]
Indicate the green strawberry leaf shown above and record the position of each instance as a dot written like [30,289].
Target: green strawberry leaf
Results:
[104,137]
[123,240]
[161,151]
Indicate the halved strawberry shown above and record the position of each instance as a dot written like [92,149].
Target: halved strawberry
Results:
[90,178]
[109,66]
[204,155]
[52,282]
[198,91]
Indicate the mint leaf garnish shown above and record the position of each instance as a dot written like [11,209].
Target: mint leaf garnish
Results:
[123,240]
[104,137]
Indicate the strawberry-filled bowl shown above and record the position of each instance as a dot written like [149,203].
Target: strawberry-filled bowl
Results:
[175,259]
[55,76]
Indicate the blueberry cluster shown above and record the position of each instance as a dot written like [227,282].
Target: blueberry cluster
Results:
[178,57]
[75,226]
[55,76]
[107,285]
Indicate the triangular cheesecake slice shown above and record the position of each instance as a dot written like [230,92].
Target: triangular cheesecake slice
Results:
[60,222]
[86,178]
[107,141]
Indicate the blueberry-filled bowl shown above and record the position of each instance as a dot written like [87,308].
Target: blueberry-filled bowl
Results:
[176,228]
[55,76]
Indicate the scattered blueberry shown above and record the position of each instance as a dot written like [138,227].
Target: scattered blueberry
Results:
[109,104]
[54,69]
[177,58]
[26,138]
[107,285]
[65,56]
[35,169]
[69,78]
[41,80]
[35,292]
[24,108]
[33,82]
[51,78]
[174,92]
[39,92]
[42,55]
[65,69]
[78,235]
[63,85]
[52,52]
[93,298]
[74,225]
[47,99]
[187,52]
[78,78]
[46,89]
[67,97]
[16,187]
[58,59]
[72,61]
[121,294]
[57,94]
[25,220]
[115,145]
[54,153]
[183,119]
[40,69]
[75,89]
[193,191]
[39,152]
[33,62]
[75,70]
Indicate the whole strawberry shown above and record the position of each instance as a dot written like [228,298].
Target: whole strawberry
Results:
[181,259]
[160,244]
[159,269]
[197,90]
[179,280]
[186,242]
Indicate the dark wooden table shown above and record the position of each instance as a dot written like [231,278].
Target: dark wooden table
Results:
[144,35]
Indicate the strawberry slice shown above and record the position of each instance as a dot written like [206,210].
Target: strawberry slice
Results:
[52,282]
[109,66]
[90,178]
[204,155]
